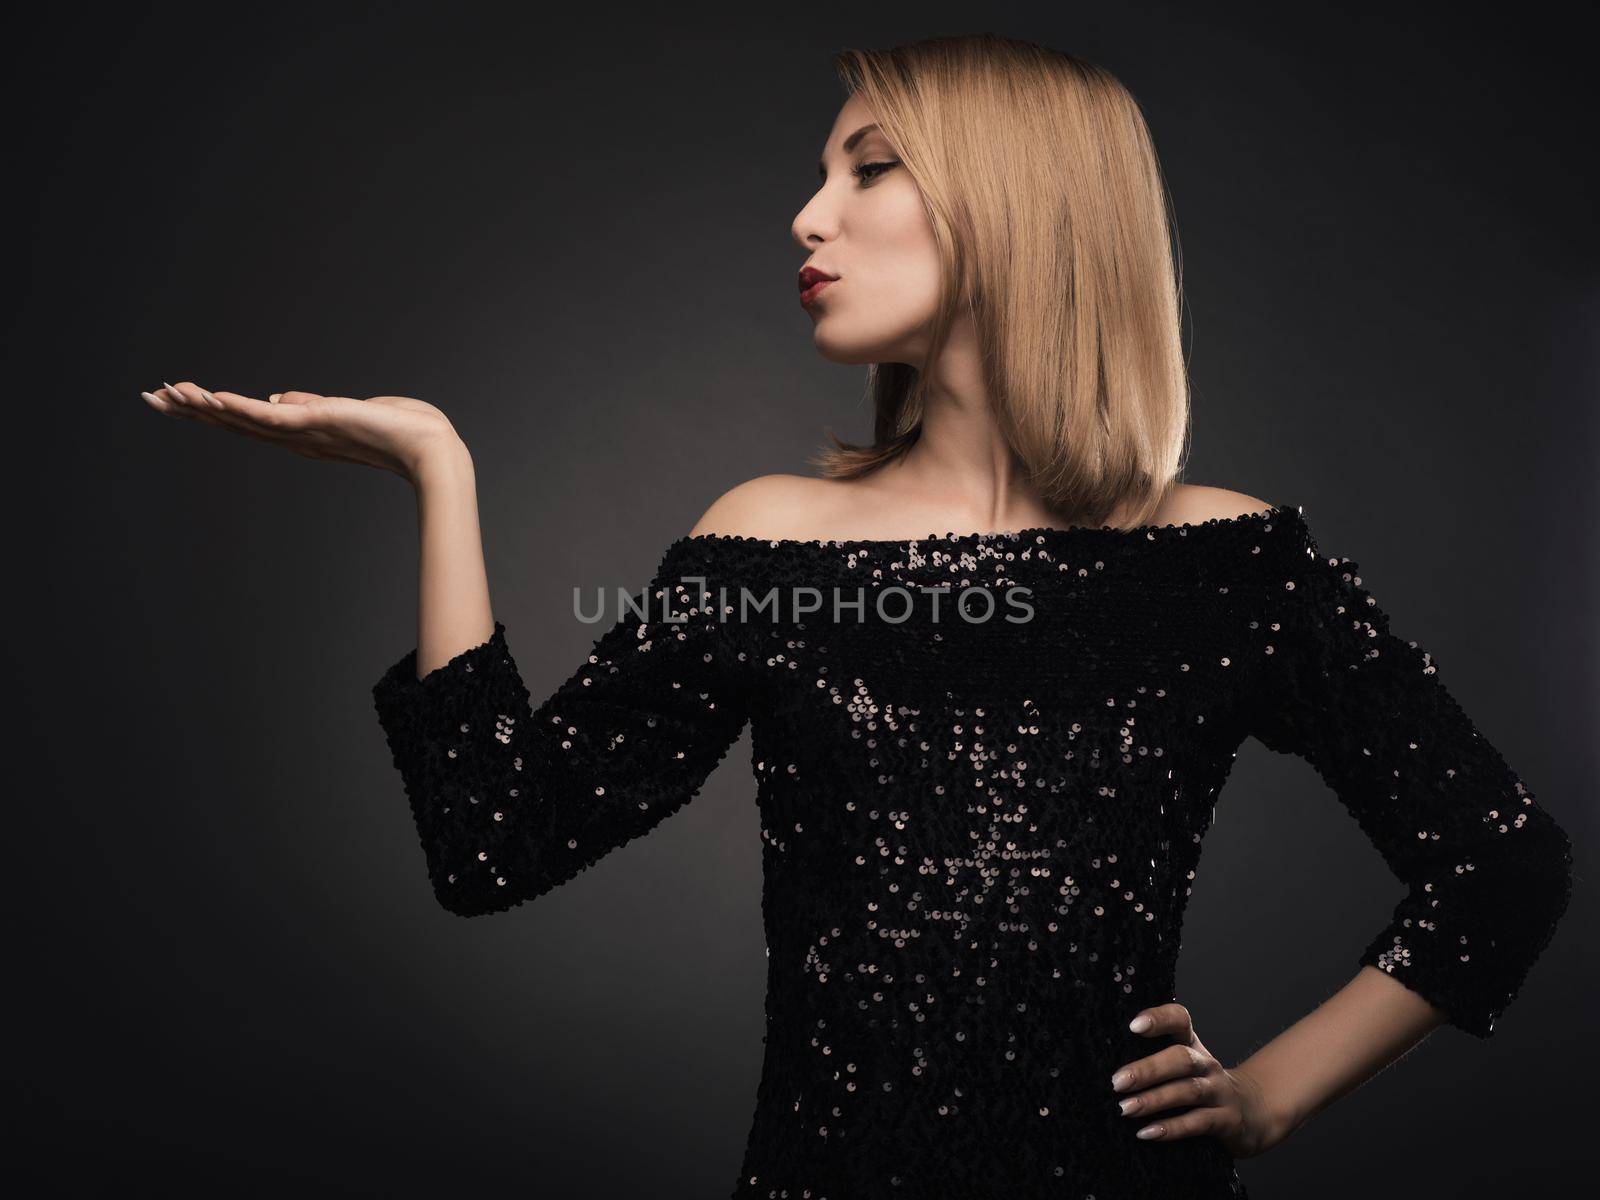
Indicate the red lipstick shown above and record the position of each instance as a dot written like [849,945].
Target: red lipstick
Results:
[812,281]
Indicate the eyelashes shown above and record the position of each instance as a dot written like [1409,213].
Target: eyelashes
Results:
[868,170]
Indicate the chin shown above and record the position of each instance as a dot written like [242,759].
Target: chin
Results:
[850,351]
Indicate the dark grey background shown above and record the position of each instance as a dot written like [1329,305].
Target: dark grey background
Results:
[572,234]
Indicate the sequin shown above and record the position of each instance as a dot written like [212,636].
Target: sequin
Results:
[979,838]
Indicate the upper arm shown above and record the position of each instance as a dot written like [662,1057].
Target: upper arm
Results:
[512,799]
[1487,870]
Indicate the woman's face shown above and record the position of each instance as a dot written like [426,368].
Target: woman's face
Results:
[867,225]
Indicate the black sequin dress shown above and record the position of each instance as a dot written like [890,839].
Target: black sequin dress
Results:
[979,835]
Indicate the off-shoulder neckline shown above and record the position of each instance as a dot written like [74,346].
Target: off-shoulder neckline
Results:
[1038,534]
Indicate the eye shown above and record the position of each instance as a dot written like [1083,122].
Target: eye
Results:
[868,170]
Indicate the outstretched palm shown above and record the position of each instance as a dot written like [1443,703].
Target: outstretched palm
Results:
[392,433]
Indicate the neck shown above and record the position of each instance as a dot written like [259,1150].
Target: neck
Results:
[962,458]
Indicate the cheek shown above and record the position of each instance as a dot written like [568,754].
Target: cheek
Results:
[906,257]
[896,280]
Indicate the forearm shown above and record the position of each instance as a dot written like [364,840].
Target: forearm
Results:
[453,611]
[1354,1034]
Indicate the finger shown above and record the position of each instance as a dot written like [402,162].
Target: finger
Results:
[190,400]
[269,429]
[1189,1124]
[1172,1063]
[239,405]
[1171,1019]
[240,413]
[162,404]
[283,426]
[244,412]
[180,403]
[194,395]
[288,423]
[307,422]
[292,421]
[1192,1091]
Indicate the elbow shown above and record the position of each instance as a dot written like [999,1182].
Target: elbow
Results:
[1539,868]
[460,901]
[1560,874]
[464,892]
[1555,868]
[476,903]
[1541,891]
[457,907]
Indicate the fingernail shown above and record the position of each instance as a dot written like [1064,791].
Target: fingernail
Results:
[212,399]
[1150,1131]
[152,397]
[177,395]
[1128,1105]
[273,399]
[1140,1023]
[1121,1080]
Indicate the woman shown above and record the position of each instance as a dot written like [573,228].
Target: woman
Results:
[979,825]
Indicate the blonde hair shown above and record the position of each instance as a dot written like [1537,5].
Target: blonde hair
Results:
[1054,228]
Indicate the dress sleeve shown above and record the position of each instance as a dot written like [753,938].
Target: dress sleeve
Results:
[1487,870]
[511,802]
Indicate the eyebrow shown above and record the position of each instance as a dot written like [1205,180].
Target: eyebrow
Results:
[849,145]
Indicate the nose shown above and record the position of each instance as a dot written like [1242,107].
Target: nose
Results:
[813,224]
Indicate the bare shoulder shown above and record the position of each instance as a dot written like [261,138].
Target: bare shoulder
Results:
[805,507]
[770,506]
[1192,503]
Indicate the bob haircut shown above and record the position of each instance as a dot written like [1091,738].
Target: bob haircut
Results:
[1055,230]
